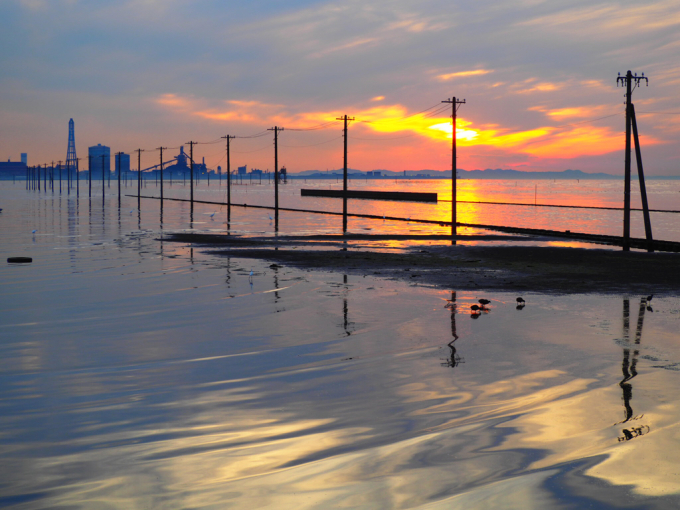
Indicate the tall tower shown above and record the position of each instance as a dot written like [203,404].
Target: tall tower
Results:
[71,159]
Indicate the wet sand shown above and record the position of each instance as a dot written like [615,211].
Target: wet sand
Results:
[504,268]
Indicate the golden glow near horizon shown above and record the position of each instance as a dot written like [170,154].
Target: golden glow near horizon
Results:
[550,142]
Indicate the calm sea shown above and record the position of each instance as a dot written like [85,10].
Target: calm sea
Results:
[138,373]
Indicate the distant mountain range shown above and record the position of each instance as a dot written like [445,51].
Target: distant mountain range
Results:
[489,173]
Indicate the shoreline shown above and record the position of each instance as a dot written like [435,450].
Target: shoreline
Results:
[560,270]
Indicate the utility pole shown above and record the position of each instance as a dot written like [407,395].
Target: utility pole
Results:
[59,176]
[276,130]
[104,175]
[344,176]
[89,175]
[77,178]
[627,81]
[118,155]
[454,170]
[161,149]
[191,160]
[228,137]
[643,187]
[139,178]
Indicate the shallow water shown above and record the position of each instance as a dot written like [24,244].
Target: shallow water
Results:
[141,373]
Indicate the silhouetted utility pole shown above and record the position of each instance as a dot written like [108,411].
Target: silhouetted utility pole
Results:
[276,130]
[118,155]
[627,81]
[228,137]
[454,170]
[89,175]
[344,176]
[104,175]
[161,149]
[45,179]
[191,161]
[59,162]
[643,187]
[77,178]
[139,178]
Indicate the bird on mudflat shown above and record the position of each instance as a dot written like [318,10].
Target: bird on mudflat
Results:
[649,298]
[475,308]
[484,302]
[212,216]
[520,301]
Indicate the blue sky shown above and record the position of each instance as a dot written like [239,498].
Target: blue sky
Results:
[539,79]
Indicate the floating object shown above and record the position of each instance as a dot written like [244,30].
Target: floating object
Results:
[19,260]
[521,302]
[406,196]
[484,302]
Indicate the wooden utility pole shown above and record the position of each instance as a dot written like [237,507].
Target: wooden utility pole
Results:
[118,155]
[228,138]
[161,149]
[139,178]
[191,161]
[103,175]
[344,175]
[454,170]
[276,130]
[643,187]
[89,175]
[627,81]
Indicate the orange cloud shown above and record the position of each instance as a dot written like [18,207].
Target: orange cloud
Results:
[462,74]
[546,142]
[541,87]
[573,112]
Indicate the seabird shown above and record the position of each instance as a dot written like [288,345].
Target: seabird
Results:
[520,301]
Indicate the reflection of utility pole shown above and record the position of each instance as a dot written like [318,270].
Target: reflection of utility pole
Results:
[344,177]
[345,308]
[454,359]
[629,370]
[454,170]
[627,81]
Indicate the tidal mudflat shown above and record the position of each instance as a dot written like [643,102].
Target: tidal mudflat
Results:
[138,372]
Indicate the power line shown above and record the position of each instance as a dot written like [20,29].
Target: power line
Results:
[314,144]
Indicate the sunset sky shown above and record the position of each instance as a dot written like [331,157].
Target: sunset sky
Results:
[538,77]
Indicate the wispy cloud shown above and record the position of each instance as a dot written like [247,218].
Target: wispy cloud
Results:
[462,74]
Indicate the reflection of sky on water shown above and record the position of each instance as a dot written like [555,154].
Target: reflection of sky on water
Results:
[662,195]
[136,372]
